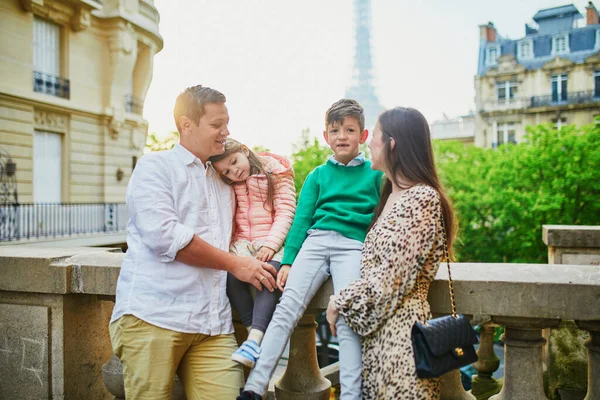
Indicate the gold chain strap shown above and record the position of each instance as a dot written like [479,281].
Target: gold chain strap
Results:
[450,283]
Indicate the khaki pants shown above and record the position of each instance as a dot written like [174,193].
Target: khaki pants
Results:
[151,356]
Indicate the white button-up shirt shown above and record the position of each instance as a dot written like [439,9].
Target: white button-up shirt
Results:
[172,196]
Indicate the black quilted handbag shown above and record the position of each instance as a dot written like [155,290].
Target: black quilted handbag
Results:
[443,344]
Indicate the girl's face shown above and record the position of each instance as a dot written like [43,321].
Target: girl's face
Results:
[235,167]
[377,147]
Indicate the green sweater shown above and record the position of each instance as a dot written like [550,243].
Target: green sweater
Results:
[334,198]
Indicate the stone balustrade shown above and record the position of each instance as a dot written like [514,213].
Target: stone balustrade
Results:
[55,305]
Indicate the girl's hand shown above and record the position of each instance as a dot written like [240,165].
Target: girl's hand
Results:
[282,276]
[332,313]
[265,254]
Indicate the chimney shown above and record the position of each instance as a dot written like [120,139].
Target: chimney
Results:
[488,32]
[592,14]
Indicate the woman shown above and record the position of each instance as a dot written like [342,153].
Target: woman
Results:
[405,243]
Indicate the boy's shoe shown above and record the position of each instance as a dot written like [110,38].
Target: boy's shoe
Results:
[249,395]
[247,354]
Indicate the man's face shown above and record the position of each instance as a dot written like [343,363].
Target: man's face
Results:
[344,139]
[207,139]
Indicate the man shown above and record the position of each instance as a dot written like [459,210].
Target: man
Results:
[171,313]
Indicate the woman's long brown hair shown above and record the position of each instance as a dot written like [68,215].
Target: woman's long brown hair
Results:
[411,158]
[256,167]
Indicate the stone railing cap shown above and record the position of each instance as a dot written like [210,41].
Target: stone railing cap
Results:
[578,236]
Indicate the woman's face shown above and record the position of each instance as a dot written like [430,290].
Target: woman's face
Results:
[377,148]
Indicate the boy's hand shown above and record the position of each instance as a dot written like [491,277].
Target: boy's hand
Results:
[255,272]
[282,276]
[265,254]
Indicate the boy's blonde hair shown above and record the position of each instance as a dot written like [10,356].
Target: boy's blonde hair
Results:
[256,166]
[345,108]
[191,101]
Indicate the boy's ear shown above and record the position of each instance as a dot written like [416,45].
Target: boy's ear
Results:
[325,137]
[363,136]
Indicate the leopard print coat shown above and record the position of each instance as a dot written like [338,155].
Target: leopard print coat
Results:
[382,307]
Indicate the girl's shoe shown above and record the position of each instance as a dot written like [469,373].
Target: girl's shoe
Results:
[247,354]
[249,395]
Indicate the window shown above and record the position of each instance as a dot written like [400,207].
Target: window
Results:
[597,46]
[559,122]
[559,88]
[506,90]
[525,49]
[596,83]
[560,44]
[46,59]
[506,133]
[47,167]
[492,55]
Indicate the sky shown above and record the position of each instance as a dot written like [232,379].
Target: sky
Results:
[282,63]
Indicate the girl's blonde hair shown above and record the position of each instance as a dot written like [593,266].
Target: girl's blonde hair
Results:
[256,167]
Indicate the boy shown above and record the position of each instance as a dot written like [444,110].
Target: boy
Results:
[334,212]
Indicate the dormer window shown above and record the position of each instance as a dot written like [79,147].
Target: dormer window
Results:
[597,46]
[560,44]
[491,56]
[525,49]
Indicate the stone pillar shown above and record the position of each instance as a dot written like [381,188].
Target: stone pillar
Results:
[593,346]
[452,388]
[303,378]
[484,385]
[577,245]
[523,343]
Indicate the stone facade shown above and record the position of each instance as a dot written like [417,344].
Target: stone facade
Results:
[103,58]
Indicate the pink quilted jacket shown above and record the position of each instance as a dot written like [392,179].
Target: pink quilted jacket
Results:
[254,221]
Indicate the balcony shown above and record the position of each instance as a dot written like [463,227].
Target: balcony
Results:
[134,104]
[51,84]
[506,104]
[55,305]
[56,221]
[569,99]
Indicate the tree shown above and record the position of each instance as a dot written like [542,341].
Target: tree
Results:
[308,154]
[503,196]
[156,143]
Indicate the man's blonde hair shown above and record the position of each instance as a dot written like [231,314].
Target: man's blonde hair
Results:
[191,101]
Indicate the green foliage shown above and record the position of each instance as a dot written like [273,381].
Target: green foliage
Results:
[156,143]
[308,154]
[503,196]
[260,149]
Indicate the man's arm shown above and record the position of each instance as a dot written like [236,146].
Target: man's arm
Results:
[200,253]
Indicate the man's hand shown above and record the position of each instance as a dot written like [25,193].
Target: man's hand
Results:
[282,276]
[255,272]
[265,254]
[332,315]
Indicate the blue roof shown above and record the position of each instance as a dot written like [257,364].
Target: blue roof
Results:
[582,44]
[556,12]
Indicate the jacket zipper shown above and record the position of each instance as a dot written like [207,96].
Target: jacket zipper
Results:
[248,213]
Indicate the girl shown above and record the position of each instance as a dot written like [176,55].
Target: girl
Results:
[404,245]
[266,204]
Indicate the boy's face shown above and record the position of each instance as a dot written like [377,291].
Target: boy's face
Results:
[344,139]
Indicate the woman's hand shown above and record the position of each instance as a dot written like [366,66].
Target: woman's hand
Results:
[265,254]
[284,271]
[332,314]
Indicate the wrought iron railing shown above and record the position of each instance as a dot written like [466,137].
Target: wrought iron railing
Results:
[51,84]
[570,98]
[56,220]
[133,104]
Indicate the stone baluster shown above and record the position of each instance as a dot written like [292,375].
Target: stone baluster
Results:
[452,388]
[302,378]
[593,346]
[523,343]
[484,385]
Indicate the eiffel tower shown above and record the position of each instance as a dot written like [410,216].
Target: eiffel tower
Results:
[362,89]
